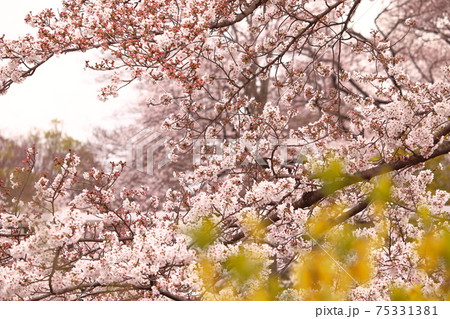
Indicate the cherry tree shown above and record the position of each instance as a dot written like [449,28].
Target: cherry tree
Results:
[310,144]
[424,43]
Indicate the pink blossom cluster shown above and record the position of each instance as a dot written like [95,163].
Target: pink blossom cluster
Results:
[300,128]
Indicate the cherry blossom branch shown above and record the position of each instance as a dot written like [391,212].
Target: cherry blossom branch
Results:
[61,292]
[310,198]
[239,17]
[313,197]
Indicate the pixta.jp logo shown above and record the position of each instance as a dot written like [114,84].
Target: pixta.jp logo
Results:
[142,148]
[146,150]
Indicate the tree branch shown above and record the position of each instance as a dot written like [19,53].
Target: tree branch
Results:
[313,197]
[239,17]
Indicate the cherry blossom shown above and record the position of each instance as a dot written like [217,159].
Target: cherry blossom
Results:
[310,147]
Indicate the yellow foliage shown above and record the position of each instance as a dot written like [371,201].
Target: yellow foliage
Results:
[330,270]
[270,290]
[252,223]
[382,189]
[434,251]
[314,271]
[242,276]
[408,294]
[323,219]
[208,273]
[243,265]
[332,174]
[204,233]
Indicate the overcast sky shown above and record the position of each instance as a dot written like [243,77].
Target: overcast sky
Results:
[62,89]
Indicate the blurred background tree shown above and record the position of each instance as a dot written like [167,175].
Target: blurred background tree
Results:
[50,144]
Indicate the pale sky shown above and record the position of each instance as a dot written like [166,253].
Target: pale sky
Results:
[62,89]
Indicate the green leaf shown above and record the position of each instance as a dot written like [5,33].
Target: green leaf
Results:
[243,265]
[204,234]
[382,189]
